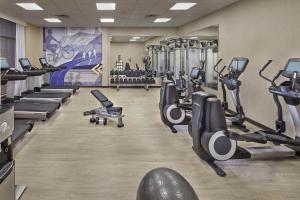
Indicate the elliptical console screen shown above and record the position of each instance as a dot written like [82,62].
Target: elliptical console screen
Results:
[293,66]
[4,63]
[195,73]
[25,62]
[238,65]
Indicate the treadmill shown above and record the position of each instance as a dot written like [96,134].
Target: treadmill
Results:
[23,109]
[21,126]
[47,86]
[34,83]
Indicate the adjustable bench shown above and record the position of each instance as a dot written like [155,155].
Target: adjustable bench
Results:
[106,110]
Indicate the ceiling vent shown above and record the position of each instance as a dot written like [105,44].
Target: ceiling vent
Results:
[63,16]
[151,16]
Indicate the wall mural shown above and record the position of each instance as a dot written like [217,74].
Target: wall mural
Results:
[78,51]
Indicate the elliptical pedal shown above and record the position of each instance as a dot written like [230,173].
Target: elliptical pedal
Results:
[249,137]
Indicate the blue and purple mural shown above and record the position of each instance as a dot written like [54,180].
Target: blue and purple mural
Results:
[78,51]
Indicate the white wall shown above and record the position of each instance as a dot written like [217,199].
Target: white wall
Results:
[260,30]
[133,50]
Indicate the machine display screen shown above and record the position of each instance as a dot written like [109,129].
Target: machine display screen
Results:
[195,72]
[238,65]
[4,63]
[43,60]
[25,62]
[293,66]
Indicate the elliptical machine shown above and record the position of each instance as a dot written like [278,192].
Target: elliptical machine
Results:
[197,78]
[172,111]
[212,141]
[232,83]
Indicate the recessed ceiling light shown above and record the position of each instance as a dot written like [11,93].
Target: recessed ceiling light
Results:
[132,40]
[107,20]
[182,6]
[136,37]
[194,38]
[30,6]
[106,6]
[162,20]
[52,20]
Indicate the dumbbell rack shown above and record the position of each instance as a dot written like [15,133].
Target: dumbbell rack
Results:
[131,78]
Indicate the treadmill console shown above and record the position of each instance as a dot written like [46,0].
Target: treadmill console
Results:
[292,67]
[4,64]
[44,62]
[25,63]
[238,65]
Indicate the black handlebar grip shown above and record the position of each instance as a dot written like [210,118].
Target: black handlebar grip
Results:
[263,69]
[215,67]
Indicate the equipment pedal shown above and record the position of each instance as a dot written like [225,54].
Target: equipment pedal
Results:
[251,137]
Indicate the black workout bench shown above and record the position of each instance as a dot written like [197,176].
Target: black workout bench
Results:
[107,110]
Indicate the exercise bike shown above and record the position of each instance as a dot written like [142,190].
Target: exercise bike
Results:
[212,141]
[232,83]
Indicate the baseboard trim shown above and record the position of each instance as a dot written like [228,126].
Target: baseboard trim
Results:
[256,123]
[123,86]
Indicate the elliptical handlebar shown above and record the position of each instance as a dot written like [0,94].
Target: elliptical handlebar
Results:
[221,72]
[215,67]
[266,78]
[263,69]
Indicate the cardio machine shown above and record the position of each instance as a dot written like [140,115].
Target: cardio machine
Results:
[34,83]
[197,77]
[172,111]
[212,141]
[22,109]
[54,88]
[232,83]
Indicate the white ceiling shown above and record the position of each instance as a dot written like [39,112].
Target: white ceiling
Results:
[128,13]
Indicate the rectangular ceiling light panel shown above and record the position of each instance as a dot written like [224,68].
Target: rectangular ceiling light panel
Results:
[30,6]
[107,20]
[106,6]
[162,20]
[52,20]
[182,6]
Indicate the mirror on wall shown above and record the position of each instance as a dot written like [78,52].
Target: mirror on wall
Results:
[127,51]
[180,54]
[207,54]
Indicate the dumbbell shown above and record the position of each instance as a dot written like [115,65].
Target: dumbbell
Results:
[152,81]
[138,81]
[130,81]
[131,73]
[121,81]
[134,80]
[117,81]
[112,81]
[143,81]
[134,73]
[125,81]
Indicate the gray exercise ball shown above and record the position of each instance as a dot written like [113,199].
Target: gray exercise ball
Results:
[165,184]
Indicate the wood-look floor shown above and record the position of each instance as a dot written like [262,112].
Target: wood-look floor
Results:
[69,158]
